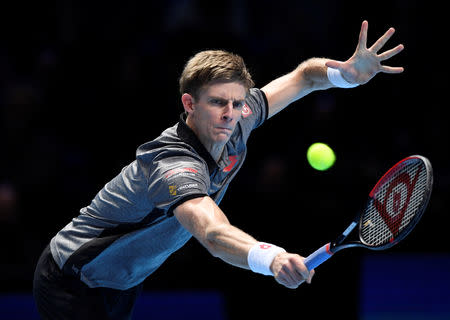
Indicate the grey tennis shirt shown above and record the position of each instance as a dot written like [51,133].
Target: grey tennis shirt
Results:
[129,228]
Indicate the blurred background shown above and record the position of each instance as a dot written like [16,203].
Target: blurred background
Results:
[84,83]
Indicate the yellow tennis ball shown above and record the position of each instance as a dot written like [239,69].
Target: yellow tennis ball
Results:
[320,156]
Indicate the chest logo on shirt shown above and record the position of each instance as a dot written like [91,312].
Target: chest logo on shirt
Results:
[246,111]
[233,160]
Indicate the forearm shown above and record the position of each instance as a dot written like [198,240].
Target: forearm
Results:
[229,244]
[309,76]
[239,249]
[209,225]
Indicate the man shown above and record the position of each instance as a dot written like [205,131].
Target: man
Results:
[95,266]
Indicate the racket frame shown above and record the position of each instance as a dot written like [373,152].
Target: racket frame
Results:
[325,252]
[411,225]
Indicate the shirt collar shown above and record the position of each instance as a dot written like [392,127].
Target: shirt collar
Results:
[188,136]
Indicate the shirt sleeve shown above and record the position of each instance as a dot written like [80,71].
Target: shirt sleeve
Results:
[254,113]
[175,179]
[256,109]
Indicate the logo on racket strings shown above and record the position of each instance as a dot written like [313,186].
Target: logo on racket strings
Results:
[393,217]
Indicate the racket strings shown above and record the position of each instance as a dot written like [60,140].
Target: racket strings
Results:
[397,199]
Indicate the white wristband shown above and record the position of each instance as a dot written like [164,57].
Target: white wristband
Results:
[335,77]
[260,257]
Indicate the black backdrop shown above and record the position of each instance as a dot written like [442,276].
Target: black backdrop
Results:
[83,84]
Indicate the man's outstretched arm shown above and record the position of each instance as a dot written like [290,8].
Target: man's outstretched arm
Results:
[209,225]
[321,73]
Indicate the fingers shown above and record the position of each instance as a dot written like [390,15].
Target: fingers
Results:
[390,53]
[382,41]
[291,271]
[362,43]
[387,69]
[290,279]
[311,275]
[366,63]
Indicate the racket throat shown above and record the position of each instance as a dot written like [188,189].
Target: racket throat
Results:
[344,235]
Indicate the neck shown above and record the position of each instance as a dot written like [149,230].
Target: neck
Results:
[213,148]
[215,151]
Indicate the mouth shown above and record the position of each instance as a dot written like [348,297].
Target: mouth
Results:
[225,129]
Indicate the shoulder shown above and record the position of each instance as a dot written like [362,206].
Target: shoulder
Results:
[256,108]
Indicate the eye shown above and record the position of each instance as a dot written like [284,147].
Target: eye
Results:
[218,102]
[238,104]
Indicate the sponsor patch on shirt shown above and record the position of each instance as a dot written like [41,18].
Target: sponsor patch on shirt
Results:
[174,190]
[180,171]
[246,111]
[187,186]
[182,180]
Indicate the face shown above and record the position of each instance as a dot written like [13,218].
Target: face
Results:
[214,115]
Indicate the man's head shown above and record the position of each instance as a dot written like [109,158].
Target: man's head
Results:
[214,85]
[213,66]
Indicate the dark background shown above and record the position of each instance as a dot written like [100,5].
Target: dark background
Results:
[84,83]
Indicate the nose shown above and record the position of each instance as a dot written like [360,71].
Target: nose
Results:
[228,111]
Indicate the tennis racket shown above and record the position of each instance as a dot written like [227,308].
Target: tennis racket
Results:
[395,206]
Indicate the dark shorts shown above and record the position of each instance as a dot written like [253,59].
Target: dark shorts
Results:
[59,296]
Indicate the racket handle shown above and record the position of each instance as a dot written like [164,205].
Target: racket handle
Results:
[318,257]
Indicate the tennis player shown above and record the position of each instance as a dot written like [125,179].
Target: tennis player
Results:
[95,266]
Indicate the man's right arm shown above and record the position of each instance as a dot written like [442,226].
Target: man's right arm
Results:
[209,225]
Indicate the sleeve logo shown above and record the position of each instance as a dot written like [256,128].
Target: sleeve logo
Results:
[246,111]
[178,171]
[173,190]
[188,186]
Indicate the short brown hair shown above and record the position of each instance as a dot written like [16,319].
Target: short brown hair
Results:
[213,66]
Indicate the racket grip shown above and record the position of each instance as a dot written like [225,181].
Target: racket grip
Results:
[318,257]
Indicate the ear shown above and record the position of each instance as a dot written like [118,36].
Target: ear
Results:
[188,102]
